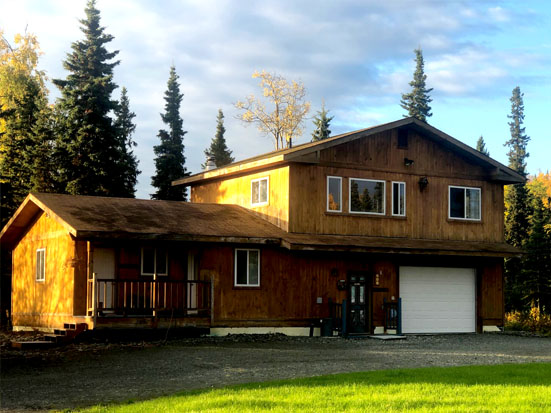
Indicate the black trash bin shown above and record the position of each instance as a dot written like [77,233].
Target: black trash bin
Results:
[326,327]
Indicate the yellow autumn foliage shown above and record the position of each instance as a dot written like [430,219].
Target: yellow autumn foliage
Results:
[288,109]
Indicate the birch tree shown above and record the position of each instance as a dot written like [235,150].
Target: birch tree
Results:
[282,110]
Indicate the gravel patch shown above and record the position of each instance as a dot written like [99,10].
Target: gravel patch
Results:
[85,374]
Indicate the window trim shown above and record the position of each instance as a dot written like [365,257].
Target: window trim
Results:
[235,284]
[327,194]
[43,252]
[392,198]
[350,197]
[154,262]
[257,204]
[465,203]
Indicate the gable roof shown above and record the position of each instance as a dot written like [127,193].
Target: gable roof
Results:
[90,217]
[308,152]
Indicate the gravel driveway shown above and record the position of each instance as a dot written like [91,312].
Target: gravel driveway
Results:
[87,374]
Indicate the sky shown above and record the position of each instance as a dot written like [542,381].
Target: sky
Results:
[356,56]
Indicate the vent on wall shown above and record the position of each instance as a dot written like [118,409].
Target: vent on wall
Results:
[403,138]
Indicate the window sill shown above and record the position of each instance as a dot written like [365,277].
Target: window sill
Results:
[464,221]
[245,287]
[359,215]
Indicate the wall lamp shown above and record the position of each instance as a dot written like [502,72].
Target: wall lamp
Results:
[408,162]
[423,183]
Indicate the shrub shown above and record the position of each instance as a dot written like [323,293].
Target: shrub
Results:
[533,321]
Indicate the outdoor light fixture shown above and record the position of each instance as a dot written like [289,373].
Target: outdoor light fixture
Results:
[408,162]
[423,182]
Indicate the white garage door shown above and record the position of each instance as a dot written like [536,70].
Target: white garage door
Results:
[438,300]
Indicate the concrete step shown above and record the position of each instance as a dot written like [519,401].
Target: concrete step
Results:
[55,338]
[30,345]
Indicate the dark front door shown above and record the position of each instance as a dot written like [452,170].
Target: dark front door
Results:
[358,297]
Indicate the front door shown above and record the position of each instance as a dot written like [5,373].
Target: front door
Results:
[104,267]
[358,297]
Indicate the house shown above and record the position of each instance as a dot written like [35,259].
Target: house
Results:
[400,223]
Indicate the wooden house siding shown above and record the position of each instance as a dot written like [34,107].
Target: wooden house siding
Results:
[378,158]
[292,282]
[237,190]
[50,302]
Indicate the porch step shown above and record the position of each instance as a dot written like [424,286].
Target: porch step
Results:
[32,345]
[387,337]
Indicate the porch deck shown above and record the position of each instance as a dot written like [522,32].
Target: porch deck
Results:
[149,303]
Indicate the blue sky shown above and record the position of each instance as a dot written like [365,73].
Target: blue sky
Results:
[357,56]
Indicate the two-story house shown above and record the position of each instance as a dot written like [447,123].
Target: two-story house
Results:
[397,213]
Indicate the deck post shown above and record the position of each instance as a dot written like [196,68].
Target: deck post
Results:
[399,329]
[344,319]
[154,298]
[94,300]
[211,300]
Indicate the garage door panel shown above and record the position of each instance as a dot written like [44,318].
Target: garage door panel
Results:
[437,299]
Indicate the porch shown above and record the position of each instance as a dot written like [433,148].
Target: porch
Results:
[149,303]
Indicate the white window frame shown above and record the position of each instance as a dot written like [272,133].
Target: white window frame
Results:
[465,202]
[327,194]
[235,284]
[392,205]
[154,262]
[40,272]
[350,196]
[261,203]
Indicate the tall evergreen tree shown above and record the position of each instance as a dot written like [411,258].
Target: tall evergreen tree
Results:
[321,123]
[417,101]
[23,103]
[481,146]
[170,159]
[124,124]
[218,149]
[91,161]
[536,264]
[518,203]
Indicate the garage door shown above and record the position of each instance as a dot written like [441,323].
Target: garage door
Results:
[438,300]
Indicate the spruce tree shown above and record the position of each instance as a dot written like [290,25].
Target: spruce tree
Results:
[481,146]
[124,124]
[417,101]
[321,123]
[518,203]
[536,264]
[170,159]
[90,157]
[218,149]
[18,148]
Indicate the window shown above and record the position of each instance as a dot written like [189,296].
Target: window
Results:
[41,264]
[464,203]
[399,199]
[247,268]
[154,261]
[367,196]
[334,194]
[259,191]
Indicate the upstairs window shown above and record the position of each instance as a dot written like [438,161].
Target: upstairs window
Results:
[367,196]
[40,264]
[464,203]
[154,261]
[260,189]
[334,194]
[247,268]
[399,199]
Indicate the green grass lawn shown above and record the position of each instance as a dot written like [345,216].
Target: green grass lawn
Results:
[503,388]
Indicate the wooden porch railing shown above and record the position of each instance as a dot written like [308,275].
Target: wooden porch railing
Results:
[108,297]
